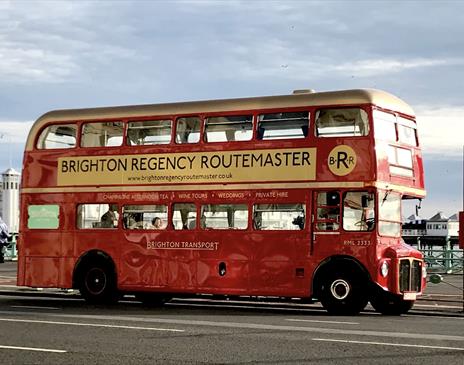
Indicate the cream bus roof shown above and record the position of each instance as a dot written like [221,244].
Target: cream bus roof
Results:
[358,96]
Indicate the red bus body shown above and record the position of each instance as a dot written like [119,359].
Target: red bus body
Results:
[249,261]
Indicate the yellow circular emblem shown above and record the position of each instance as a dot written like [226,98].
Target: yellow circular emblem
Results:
[342,160]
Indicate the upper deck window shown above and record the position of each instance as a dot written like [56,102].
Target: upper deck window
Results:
[407,131]
[58,136]
[188,130]
[344,122]
[149,132]
[384,125]
[387,125]
[287,125]
[102,134]
[229,128]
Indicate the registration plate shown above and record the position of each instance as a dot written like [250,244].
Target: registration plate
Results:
[409,296]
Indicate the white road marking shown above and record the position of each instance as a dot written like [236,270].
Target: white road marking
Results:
[318,321]
[390,344]
[437,306]
[248,325]
[31,349]
[240,325]
[33,307]
[90,325]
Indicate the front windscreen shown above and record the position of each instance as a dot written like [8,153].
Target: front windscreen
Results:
[389,213]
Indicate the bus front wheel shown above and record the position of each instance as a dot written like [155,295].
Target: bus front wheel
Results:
[390,304]
[98,283]
[343,294]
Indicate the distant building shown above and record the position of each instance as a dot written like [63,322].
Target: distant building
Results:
[10,199]
[414,226]
[440,225]
[437,230]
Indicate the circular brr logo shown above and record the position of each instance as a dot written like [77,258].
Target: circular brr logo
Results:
[342,160]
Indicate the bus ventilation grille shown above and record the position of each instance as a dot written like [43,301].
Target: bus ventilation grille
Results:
[410,275]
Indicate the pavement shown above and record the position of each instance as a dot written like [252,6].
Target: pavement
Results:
[445,298]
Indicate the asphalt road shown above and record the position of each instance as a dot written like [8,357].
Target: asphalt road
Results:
[41,329]
[63,330]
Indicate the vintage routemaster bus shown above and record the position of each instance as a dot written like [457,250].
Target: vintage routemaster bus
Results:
[292,196]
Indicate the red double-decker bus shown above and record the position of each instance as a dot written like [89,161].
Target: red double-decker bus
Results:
[294,196]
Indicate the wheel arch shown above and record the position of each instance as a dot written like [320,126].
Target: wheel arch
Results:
[91,256]
[337,262]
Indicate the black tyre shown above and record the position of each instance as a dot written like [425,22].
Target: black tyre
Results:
[343,293]
[390,304]
[98,282]
[152,299]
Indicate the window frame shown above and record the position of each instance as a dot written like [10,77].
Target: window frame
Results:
[206,118]
[363,111]
[123,133]
[77,136]
[146,120]
[260,114]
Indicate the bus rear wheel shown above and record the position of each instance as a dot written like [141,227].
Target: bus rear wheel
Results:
[98,283]
[390,304]
[343,294]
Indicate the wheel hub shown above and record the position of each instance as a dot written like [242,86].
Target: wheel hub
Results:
[96,281]
[340,289]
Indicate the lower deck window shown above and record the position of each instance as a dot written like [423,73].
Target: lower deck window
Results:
[328,211]
[279,216]
[184,216]
[358,211]
[43,216]
[224,216]
[97,216]
[389,213]
[145,216]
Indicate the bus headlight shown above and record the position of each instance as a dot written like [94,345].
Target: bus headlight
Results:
[424,271]
[384,269]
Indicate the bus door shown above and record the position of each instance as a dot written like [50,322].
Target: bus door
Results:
[325,223]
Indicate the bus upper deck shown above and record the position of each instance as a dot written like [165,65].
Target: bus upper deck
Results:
[363,137]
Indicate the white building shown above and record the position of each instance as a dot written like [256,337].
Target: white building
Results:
[10,199]
[442,226]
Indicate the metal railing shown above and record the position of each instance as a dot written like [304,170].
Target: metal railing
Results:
[443,260]
[10,251]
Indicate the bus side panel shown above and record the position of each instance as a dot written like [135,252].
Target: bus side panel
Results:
[224,266]
[156,260]
[275,263]
[43,272]
[41,243]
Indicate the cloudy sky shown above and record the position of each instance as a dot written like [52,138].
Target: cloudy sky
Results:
[72,54]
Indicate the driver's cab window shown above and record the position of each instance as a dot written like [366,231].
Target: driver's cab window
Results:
[358,211]
[328,211]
